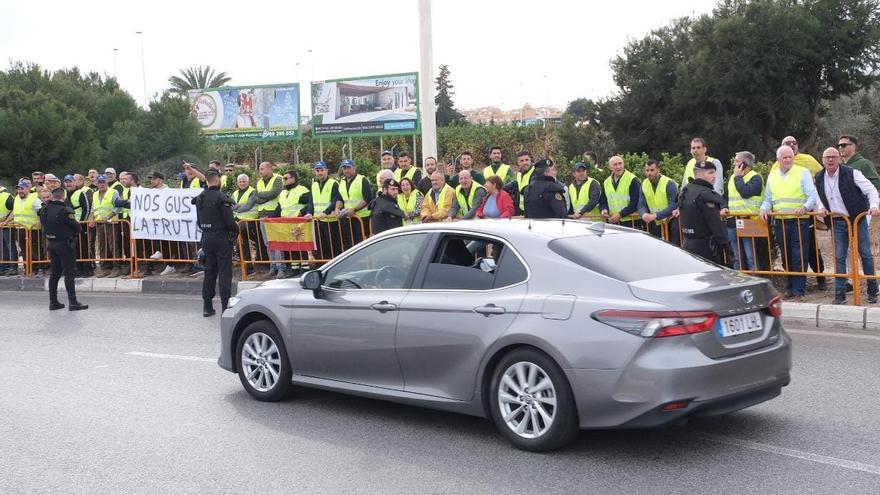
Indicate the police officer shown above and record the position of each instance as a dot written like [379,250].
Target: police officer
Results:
[700,209]
[61,231]
[219,231]
[545,196]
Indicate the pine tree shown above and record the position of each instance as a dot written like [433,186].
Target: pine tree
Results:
[446,112]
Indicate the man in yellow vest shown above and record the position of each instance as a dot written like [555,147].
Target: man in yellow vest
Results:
[245,213]
[79,200]
[790,191]
[744,194]
[295,200]
[496,167]
[225,179]
[583,193]
[8,247]
[128,180]
[438,201]
[619,201]
[699,152]
[517,186]
[466,163]
[658,199]
[328,203]
[104,218]
[469,196]
[405,169]
[800,159]
[25,209]
[357,194]
[268,187]
[112,181]
[386,162]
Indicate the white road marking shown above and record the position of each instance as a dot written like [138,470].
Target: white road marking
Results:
[834,334]
[171,356]
[797,454]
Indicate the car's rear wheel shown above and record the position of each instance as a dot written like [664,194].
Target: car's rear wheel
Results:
[263,367]
[531,401]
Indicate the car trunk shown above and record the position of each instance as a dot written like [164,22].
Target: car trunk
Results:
[744,324]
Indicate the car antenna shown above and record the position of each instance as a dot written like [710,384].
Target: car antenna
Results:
[597,228]
[530,224]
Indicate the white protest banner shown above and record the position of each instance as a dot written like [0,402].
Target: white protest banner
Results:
[164,214]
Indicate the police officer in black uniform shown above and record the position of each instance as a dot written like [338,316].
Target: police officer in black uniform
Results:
[545,197]
[61,230]
[700,206]
[219,232]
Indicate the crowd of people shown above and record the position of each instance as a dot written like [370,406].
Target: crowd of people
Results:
[352,207]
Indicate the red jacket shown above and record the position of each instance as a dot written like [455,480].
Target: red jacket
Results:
[505,205]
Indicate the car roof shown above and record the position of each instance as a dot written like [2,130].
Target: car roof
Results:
[523,230]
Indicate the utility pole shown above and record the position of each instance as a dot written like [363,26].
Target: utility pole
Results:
[143,69]
[426,81]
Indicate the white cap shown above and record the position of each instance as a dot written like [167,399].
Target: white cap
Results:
[51,177]
[109,170]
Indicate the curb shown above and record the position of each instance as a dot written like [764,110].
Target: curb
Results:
[801,313]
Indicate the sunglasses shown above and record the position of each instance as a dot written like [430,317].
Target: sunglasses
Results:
[844,145]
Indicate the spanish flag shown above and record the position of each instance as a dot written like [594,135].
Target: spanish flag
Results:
[290,234]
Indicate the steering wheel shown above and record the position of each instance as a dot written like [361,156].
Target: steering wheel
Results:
[389,273]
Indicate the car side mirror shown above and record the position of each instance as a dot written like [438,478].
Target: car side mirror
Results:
[312,280]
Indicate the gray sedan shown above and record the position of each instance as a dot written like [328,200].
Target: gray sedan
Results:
[546,327]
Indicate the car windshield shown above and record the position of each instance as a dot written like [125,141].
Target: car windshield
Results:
[629,257]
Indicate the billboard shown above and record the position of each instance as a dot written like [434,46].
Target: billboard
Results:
[247,113]
[364,106]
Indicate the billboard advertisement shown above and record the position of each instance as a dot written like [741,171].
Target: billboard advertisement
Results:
[247,113]
[364,106]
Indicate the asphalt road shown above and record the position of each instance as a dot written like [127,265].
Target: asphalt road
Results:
[127,398]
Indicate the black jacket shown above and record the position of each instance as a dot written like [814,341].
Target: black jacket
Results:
[58,221]
[545,198]
[214,211]
[700,208]
[385,214]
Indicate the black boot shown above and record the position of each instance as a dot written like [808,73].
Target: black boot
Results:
[208,310]
[53,305]
[224,304]
[77,306]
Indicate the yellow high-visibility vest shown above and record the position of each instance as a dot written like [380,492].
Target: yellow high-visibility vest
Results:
[465,204]
[353,194]
[23,210]
[4,196]
[580,199]
[618,198]
[264,186]
[409,174]
[126,194]
[656,199]
[322,198]
[786,193]
[502,171]
[522,180]
[738,204]
[408,205]
[242,199]
[289,201]
[102,208]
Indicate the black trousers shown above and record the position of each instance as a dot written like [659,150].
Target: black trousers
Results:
[218,266]
[700,247]
[62,261]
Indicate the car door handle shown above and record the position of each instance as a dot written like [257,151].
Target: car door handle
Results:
[489,310]
[384,306]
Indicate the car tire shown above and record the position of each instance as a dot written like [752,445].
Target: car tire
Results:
[551,397]
[263,366]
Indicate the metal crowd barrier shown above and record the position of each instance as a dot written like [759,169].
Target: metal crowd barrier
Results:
[11,257]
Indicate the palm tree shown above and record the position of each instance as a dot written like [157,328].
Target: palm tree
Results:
[197,78]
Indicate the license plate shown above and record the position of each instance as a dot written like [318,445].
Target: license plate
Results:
[740,324]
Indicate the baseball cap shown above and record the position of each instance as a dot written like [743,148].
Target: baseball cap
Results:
[704,165]
[156,175]
[348,163]
[580,165]
[101,178]
[320,164]
[390,182]
[23,185]
[51,177]
[387,152]
[109,170]
[69,178]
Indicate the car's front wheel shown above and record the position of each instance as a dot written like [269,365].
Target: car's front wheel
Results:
[532,404]
[263,367]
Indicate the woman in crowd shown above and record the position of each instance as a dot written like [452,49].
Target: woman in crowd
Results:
[410,201]
[497,203]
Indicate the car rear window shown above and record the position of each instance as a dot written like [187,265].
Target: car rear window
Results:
[629,257]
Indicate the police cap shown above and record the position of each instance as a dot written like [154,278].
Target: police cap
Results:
[704,165]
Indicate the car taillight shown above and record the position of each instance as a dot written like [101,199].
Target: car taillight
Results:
[658,323]
[775,307]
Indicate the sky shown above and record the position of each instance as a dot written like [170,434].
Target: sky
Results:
[501,53]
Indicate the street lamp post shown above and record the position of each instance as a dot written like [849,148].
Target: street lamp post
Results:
[426,81]
[115,65]
[143,67]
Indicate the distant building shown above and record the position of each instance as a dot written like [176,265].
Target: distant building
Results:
[527,115]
